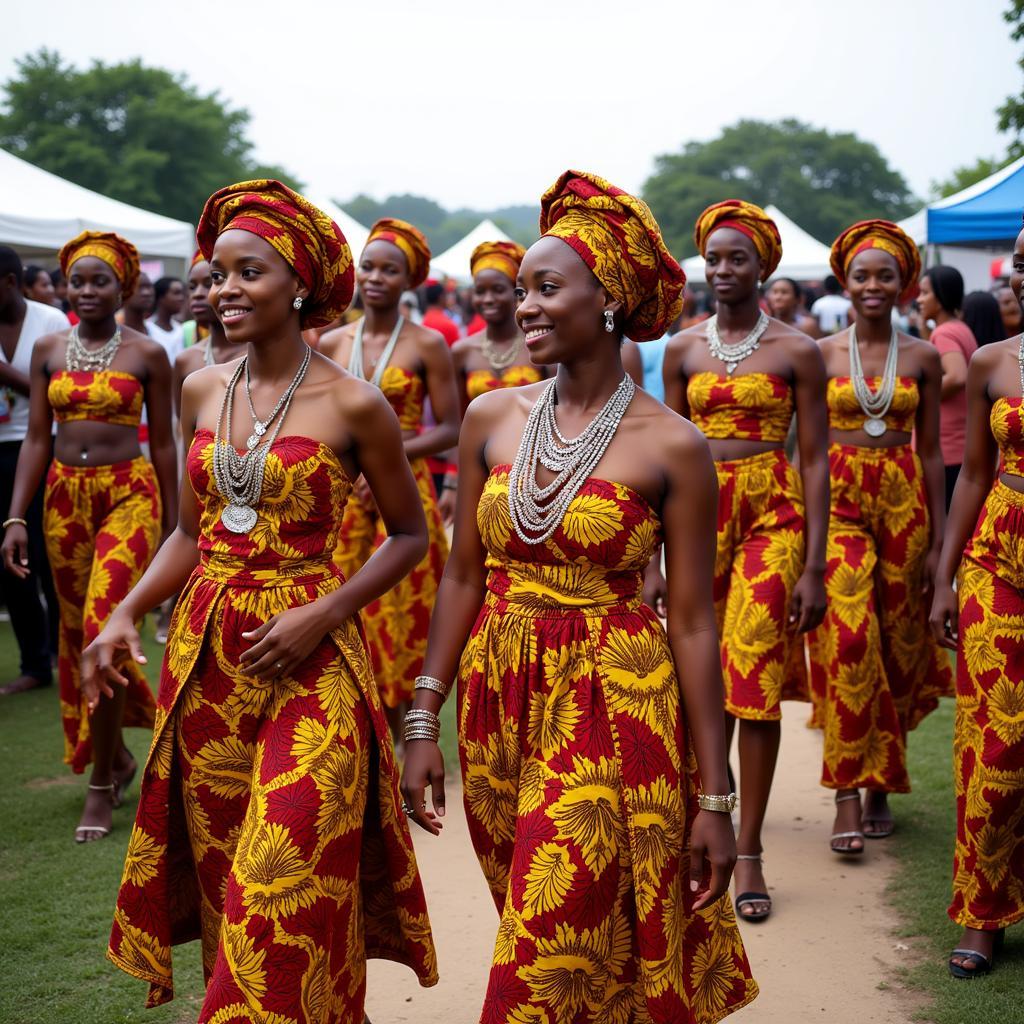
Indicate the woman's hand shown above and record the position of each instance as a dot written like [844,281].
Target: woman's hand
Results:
[931,566]
[446,505]
[15,550]
[98,671]
[424,763]
[713,841]
[284,641]
[807,605]
[655,592]
[944,617]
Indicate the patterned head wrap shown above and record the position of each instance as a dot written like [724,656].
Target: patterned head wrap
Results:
[118,253]
[197,257]
[617,237]
[304,236]
[748,219]
[505,257]
[878,234]
[410,240]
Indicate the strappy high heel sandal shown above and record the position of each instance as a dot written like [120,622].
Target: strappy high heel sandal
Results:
[91,833]
[750,899]
[847,851]
[982,964]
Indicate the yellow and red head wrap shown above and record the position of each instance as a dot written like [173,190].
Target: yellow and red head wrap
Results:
[505,257]
[197,257]
[617,237]
[118,253]
[748,219]
[878,234]
[410,240]
[305,237]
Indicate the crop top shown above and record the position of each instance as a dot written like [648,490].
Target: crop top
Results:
[751,407]
[1007,423]
[845,413]
[103,396]
[480,382]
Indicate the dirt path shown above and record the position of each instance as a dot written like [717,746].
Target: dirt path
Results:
[820,958]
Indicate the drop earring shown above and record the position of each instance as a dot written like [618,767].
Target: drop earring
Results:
[609,321]
[297,302]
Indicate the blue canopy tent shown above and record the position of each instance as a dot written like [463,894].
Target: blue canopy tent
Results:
[987,213]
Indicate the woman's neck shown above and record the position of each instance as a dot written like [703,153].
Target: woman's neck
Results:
[874,329]
[506,331]
[135,320]
[97,330]
[276,360]
[943,317]
[381,321]
[163,320]
[739,316]
[585,384]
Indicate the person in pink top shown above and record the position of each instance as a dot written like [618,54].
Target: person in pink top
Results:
[940,299]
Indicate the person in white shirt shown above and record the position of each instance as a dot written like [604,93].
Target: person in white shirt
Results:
[169,293]
[34,624]
[832,310]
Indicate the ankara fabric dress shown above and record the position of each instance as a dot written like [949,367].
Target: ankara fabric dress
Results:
[102,527]
[269,822]
[579,781]
[988,741]
[875,668]
[397,623]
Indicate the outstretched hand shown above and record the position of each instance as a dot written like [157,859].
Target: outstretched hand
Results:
[99,674]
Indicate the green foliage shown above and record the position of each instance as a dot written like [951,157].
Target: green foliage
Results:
[1011,113]
[139,134]
[442,227]
[822,180]
[963,177]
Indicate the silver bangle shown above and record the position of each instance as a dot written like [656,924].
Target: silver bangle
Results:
[432,683]
[13,520]
[421,724]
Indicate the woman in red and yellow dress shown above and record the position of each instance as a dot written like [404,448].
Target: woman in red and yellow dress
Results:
[981,621]
[586,734]
[876,670]
[409,364]
[103,502]
[739,377]
[269,825]
[496,356]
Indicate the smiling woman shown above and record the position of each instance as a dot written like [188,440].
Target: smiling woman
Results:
[576,710]
[269,822]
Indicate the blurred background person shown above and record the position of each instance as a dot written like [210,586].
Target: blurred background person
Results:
[786,303]
[832,310]
[37,285]
[940,297]
[139,307]
[435,317]
[982,315]
[1010,310]
[164,326]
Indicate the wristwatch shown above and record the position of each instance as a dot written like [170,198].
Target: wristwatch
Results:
[722,803]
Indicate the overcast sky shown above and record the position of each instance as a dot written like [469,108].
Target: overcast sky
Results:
[484,105]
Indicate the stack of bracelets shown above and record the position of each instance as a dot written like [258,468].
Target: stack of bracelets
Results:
[421,724]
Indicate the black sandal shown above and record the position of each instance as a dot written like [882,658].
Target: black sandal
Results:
[982,964]
[750,898]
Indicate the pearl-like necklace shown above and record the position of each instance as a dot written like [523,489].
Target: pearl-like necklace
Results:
[500,361]
[537,511]
[80,359]
[875,404]
[733,355]
[239,478]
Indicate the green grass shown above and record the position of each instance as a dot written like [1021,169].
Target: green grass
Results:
[56,897]
[920,890]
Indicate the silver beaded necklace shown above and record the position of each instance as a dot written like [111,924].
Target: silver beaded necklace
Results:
[1020,363]
[355,360]
[500,361]
[733,355]
[537,511]
[81,359]
[239,478]
[875,404]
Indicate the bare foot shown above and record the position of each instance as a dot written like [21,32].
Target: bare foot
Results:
[876,818]
[97,814]
[846,830]
[22,684]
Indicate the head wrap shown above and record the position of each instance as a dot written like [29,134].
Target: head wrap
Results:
[410,240]
[748,219]
[119,254]
[617,237]
[878,234]
[504,257]
[304,236]
[198,257]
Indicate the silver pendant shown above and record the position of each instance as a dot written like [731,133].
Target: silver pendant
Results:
[730,368]
[874,427]
[239,518]
[251,441]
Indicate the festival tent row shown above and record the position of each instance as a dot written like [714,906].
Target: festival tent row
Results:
[804,258]
[454,262]
[40,211]
[354,232]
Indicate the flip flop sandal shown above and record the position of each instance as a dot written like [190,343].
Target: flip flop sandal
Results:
[982,962]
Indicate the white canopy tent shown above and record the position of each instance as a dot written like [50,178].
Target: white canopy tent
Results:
[39,212]
[354,232]
[804,258]
[454,262]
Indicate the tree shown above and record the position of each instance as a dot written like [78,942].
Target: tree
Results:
[142,135]
[1011,113]
[821,180]
[963,177]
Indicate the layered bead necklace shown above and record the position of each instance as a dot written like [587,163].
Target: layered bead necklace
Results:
[239,478]
[733,355]
[875,404]
[355,360]
[500,360]
[536,510]
[83,360]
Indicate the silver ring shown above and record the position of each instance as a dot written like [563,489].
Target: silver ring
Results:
[279,665]
[407,809]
